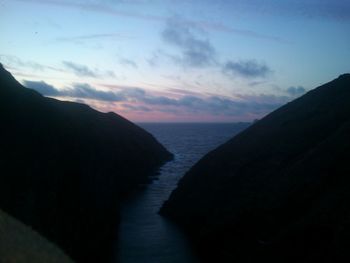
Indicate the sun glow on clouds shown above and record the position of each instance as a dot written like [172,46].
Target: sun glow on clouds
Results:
[140,104]
[217,61]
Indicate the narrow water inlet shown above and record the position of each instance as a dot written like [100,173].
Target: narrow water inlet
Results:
[144,235]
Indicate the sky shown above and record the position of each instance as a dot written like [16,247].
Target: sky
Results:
[176,60]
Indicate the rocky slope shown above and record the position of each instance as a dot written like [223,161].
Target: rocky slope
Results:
[65,166]
[19,243]
[278,191]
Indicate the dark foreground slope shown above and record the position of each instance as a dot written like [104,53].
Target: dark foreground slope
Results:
[279,191]
[19,243]
[64,167]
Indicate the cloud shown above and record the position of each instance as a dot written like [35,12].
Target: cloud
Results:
[296,91]
[195,52]
[80,70]
[85,91]
[110,73]
[132,93]
[14,61]
[128,62]
[158,56]
[84,71]
[154,59]
[92,36]
[198,52]
[108,10]
[137,99]
[265,99]
[136,107]
[214,105]
[246,68]
[41,87]
[182,91]
[256,83]
[78,90]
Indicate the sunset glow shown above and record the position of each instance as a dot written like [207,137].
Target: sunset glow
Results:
[176,61]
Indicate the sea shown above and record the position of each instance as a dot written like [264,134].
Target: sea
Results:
[144,235]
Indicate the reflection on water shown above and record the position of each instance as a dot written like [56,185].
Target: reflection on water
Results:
[144,235]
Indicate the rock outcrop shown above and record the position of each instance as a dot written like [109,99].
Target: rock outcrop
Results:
[65,167]
[278,191]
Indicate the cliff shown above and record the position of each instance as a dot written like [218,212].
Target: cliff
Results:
[65,167]
[278,191]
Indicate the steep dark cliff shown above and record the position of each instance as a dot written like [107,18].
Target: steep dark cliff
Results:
[65,166]
[278,191]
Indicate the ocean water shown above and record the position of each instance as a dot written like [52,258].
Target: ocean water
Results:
[144,235]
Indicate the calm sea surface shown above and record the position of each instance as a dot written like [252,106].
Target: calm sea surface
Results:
[144,235]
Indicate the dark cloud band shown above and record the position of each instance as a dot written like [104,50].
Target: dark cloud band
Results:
[138,99]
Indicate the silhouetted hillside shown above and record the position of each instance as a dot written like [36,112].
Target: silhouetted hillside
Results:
[278,191]
[65,166]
